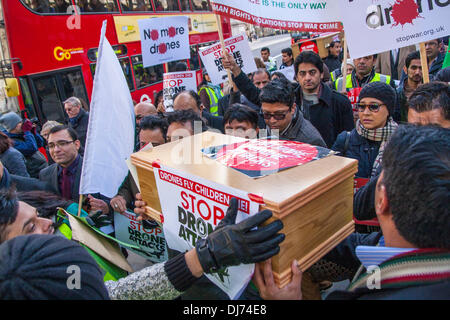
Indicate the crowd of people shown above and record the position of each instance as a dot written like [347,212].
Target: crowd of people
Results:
[382,115]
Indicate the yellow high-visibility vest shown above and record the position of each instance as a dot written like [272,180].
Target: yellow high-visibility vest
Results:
[213,100]
[338,84]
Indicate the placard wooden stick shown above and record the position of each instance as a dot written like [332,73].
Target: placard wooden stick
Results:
[424,63]
[80,203]
[222,42]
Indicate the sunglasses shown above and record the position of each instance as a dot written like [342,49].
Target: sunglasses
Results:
[372,107]
[276,116]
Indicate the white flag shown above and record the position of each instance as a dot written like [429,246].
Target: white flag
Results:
[110,135]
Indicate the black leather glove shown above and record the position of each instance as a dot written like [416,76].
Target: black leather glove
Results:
[231,244]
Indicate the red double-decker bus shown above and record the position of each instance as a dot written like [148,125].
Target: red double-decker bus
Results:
[53,47]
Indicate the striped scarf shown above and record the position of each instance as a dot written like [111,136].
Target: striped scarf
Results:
[415,268]
[380,134]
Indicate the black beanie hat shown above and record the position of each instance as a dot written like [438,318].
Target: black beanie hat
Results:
[380,91]
[41,267]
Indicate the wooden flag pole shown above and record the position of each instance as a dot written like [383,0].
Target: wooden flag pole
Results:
[424,63]
[80,203]
[222,42]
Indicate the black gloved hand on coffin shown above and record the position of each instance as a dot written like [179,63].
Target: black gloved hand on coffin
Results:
[232,244]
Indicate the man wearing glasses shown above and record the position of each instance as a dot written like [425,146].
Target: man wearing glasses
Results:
[64,175]
[282,117]
[434,56]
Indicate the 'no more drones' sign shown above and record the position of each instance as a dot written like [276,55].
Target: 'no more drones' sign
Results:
[164,40]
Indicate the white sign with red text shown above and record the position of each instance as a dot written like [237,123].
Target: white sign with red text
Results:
[192,207]
[175,82]
[236,46]
[376,26]
[164,40]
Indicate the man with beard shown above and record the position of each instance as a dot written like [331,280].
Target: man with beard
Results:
[413,70]
[434,56]
[329,111]
[363,74]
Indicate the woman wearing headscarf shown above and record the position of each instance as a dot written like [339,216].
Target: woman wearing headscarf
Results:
[372,131]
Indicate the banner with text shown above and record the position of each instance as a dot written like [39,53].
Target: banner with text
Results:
[377,26]
[236,46]
[175,82]
[151,242]
[164,40]
[192,207]
[306,15]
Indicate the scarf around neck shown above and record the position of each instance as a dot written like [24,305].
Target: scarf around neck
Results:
[379,134]
[415,268]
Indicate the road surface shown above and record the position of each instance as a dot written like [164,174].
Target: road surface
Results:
[274,43]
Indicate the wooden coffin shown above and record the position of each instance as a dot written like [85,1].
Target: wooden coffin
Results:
[318,45]
[314,200]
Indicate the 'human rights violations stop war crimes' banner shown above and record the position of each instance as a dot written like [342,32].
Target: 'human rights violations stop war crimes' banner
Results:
[306,15]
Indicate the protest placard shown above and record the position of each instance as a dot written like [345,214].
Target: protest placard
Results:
[236,46]
[192,207]
[306,15]
[376,26]
[289,72]
[151,242]
[175,82]
[164,40]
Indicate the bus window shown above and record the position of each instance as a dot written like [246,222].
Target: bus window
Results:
[125,64]
[194,60]
[136,5]
[96,5]
[27,99]
[40,6]
[201,5]
[49,99]
[179,64]
[146,76]
[185,5]
[166,5]
[73,85]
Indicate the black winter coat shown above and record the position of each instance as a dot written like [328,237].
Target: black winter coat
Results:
[81,126]
[330,116]
[359,148]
